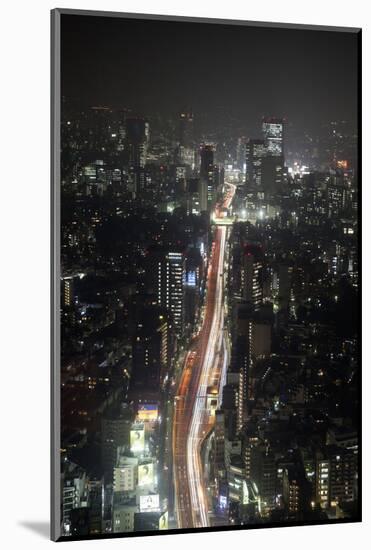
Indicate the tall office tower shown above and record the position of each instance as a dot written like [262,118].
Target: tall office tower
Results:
[150,353]
[192,283]
[186,136]
[137,141]
[337,196]
[185,153]
[202,193]
[219,443]
[116,427]
[253,342]
[166,274]
[255,152]
[207,175]
[180,177]
[193,201]
[273,135]
[252,275]
[137,136]
[285,272]
[272,174]
[243,358]
[241,153]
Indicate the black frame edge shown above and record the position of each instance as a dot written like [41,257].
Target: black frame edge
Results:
[55,107]
[55,273]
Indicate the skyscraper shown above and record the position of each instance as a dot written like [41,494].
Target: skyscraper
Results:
[185,142]
[243,357]
[271,174]
[186,129]
[137,136]
[241,152]
[252,275]
[137,141]
[166,271]
[273,135]
[207,176]
[255,152]
[253,342]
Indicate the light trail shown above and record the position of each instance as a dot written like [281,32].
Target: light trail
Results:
[202,368]
[200,417]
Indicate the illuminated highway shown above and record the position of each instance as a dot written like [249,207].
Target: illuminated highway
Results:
[205,367]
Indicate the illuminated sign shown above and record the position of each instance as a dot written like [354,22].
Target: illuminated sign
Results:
[149,503]
[147,413]
[191,278]
[137,440]
[163,522]
[342,164]
[145,474]
[223,501]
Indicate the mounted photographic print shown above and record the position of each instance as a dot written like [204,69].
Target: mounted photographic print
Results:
[205,286]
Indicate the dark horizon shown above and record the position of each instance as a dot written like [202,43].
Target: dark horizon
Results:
[219,71]
[209,284]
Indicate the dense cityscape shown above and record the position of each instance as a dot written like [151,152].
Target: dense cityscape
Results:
[209,338]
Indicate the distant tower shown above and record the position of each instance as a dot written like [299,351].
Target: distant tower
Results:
[186,136]
[207,177]
[240,152]
[166,275]
[273,135]
[185,153]
[255,152]
[252,276]
[137,139]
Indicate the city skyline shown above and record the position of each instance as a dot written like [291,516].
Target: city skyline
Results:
[209,277]
[309,77]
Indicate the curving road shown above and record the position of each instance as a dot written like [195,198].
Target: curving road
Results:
[205,365]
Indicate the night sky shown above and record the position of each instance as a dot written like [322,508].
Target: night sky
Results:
[309,77]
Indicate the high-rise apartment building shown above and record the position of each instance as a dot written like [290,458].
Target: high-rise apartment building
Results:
[166,273]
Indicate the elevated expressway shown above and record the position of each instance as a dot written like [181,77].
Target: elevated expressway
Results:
[205,366]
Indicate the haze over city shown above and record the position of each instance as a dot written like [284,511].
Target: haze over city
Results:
[209,276]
